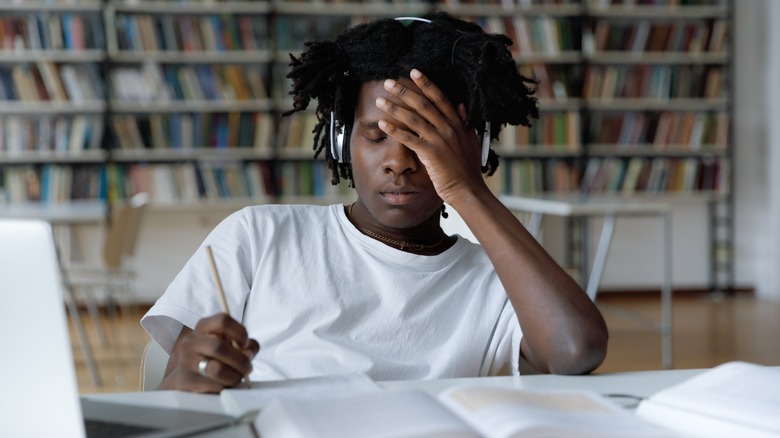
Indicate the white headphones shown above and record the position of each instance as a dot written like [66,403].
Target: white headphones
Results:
[339,137]
[485,144]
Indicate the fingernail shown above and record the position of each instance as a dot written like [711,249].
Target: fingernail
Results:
[415,74]
[389,84]
[380,101]
[382,124]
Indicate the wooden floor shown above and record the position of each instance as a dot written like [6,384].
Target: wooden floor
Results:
[706,332]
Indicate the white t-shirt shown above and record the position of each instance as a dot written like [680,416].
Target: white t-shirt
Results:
[322,298]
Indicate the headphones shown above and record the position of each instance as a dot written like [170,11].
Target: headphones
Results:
[339,141]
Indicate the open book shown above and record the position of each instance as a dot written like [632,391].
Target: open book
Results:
[463,411]
[735,399]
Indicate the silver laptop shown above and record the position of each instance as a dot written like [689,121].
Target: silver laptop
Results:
[38,388]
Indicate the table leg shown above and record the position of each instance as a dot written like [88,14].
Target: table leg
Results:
[78,324]
[600,259]
[666,294]
[535,224]
[81,334]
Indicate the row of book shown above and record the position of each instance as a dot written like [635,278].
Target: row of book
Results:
[559,130]
[654,81]
[534,176]
[535,35]
[296,131]
[640,36]
[51,183]
[187,182]
[612,176]
[151,82]
[193,130]
[47,81]
[686,129]
[66,31]
[655,175]
[188,33]
[179,183]
[193,182]
[60,133]
[291,32]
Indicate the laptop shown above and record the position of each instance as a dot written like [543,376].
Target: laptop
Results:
[38,387]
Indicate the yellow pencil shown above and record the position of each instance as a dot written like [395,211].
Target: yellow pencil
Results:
[222,299]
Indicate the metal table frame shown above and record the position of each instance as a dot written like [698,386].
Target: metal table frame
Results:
[609,208]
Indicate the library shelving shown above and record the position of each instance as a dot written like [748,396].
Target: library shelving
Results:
[189,112]
[183,99]
[658,109]
[51,102]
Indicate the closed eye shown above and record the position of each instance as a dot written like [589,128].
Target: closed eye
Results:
[376,140]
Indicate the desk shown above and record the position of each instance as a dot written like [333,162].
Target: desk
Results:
[609,208]
[62,217]
[641,384]
[73,212]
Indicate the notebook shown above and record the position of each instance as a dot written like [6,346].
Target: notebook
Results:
[37,374]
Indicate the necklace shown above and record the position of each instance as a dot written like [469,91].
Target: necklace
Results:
[403,246]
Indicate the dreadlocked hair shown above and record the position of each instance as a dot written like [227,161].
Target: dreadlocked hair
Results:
[467,64]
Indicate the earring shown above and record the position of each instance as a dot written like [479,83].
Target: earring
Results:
[485,144]
[444,213]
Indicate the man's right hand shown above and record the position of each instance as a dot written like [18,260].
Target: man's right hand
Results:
[211,341]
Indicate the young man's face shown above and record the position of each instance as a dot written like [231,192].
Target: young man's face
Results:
[388,177]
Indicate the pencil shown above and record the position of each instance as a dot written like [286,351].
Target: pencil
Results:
[222,299]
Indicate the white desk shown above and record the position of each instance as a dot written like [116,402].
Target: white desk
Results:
[73,212]
[640,384]
[609,208]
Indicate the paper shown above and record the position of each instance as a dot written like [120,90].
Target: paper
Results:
[239,401]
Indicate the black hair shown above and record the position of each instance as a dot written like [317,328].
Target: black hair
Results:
[469,65]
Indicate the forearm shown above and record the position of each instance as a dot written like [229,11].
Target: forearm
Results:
[563,330]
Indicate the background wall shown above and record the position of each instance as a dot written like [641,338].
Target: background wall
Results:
[169,239]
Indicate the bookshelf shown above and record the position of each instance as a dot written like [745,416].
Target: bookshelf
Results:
[183,99]
[52,104]
[189,113]
[658,112]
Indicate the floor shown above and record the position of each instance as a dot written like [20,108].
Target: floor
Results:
[706,332]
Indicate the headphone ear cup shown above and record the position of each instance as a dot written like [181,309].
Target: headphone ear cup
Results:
[485,144]
[344,146]
[335,146]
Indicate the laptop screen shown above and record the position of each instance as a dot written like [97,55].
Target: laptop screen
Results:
[37,374]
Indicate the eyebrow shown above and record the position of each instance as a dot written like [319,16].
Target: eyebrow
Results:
[370,125]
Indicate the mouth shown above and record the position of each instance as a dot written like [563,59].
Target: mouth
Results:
[398,197]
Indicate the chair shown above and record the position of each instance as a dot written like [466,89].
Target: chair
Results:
[153,363]
[112,279]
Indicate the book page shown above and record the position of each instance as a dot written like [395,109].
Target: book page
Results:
[506,412]
[238,401]
[397,413]
[740,392]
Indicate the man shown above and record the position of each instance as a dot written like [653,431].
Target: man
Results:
[377,286]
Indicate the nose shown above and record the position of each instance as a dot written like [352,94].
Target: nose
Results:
[399,159]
